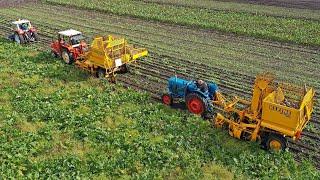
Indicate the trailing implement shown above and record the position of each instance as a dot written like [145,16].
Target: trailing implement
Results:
[105,56]
[276,112]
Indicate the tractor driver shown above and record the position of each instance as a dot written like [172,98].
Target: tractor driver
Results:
[202,85]
[24,26]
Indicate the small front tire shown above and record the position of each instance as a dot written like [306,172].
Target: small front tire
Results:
[36,36]
[167,99]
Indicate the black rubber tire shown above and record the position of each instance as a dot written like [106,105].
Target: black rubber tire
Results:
[207,115]
[54,54]
[275,137]
[67,56]
[36,36]
[200,99]
[28,36]
[124,68]
[20,37]
[101,73]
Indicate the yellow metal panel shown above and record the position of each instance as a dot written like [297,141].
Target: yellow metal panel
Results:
[116,42]
[141,54]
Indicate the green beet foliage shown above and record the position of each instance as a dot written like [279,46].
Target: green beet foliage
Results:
[57,121]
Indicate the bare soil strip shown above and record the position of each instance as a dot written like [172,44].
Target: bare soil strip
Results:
[302,4]
[12,3]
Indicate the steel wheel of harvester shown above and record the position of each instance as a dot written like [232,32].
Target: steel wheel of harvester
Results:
[195,103]
[101,73]
[276,142]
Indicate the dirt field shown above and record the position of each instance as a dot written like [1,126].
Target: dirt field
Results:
[7,3]
[231,61]
[304,4]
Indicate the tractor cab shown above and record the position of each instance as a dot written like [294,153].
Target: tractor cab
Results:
[71,37]
[70,46]
[23,32]
[22,25]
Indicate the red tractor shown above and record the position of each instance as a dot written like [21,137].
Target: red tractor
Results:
[70,46]
[24,32]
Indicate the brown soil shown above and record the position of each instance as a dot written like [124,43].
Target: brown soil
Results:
[11,3]
[302,4]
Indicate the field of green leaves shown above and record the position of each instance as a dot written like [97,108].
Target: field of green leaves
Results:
[288,29]
[57,121]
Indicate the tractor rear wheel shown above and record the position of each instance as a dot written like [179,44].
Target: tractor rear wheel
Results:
[167,99]
[18,38]
[36,36]
[276,142]
[67,57]
[195,103]
[101,73]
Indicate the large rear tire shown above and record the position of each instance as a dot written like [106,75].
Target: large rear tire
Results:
[195,104]
[67,57]
[18,38]
[276,142]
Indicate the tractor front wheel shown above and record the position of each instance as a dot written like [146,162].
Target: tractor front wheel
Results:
[54,54]
[276,142]
[36,36]
[18,38]
[195,103]
[167,99]
[67,57]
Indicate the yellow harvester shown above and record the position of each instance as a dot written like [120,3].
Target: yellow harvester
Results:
[107,55]
[275,112]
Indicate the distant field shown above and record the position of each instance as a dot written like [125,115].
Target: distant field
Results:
[303,4]
[261,26]
[252,8]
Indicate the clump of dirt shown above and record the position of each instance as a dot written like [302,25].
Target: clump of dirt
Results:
[12,3]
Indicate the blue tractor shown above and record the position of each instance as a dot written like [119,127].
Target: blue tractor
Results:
[198,95]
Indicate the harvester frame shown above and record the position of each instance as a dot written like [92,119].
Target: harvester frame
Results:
[266,118]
